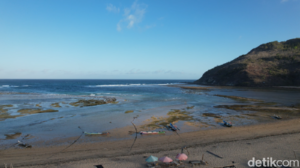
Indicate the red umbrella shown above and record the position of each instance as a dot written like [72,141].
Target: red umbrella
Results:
[165,159]
[181,156]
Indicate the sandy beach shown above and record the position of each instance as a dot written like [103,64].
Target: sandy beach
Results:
[239,144]
[110,84]
[198,112]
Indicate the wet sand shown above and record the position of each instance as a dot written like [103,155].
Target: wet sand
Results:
[269,138]
[239,144]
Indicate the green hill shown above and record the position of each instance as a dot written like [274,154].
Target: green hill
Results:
[271,64]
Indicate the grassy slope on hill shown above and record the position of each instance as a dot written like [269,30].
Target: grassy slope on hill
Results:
[271,64]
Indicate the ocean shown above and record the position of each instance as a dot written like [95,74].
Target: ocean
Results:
[151,104]
[84,87]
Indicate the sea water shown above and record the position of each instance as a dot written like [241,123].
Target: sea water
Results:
[147,98]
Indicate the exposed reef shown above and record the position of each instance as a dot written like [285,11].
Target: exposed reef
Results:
[3,106]
[13,136]
[93,102]
[173,116]
[190,107]
[239,98]
[4,114]
[90,102]
[110,100]
[128,111]
[55,105]
[259,108]
[211,115]
[34,111]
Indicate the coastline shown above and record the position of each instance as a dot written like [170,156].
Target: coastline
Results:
[207,104]
[157,145]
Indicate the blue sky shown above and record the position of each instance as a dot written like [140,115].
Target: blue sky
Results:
[167,39]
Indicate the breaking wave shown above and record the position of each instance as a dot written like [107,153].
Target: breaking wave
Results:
[8,86]
[127,85]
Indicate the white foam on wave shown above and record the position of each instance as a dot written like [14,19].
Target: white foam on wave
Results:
[7,86]
[126,85]
[165,84]
[136,84]
[112,85]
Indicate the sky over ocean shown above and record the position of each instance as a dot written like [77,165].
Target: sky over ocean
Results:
[75,39]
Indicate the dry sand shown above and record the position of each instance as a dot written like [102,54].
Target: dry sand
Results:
[239,144]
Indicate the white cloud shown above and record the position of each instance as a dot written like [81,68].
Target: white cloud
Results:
[112,8]
[132,16]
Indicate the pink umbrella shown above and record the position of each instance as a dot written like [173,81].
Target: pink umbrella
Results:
[165,159]
[181,156]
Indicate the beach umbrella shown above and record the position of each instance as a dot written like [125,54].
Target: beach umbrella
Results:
[151,159]
[181,156]
[165,159]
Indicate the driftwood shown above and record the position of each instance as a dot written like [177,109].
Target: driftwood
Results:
[229,166]
[214,155]
[135,134]
[71,143]
[74,141]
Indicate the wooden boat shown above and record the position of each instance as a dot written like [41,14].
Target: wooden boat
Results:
[227,124]
[173,127]
[96,133]
[277,117]
[24,144]
[151,132]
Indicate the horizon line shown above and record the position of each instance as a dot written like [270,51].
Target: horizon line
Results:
[94,79]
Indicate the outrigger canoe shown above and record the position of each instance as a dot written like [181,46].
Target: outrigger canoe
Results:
[151,132]
[173,127]
[277,117]
[227,124]
[96,133]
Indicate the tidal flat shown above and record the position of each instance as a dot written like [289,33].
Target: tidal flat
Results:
[50,122]
[47,117]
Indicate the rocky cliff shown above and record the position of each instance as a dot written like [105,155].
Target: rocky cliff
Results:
[271,64]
